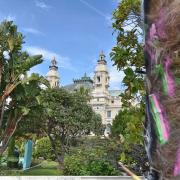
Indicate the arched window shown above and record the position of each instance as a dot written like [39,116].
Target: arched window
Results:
[98,79]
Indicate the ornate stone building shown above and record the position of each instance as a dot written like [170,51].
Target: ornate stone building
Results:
[105,102]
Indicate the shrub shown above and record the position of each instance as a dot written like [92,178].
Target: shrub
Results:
[88,162]
[43,149]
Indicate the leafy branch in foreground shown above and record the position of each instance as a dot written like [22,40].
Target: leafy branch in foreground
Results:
[127,55]
[16,89]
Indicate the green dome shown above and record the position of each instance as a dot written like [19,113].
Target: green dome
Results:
[85,82]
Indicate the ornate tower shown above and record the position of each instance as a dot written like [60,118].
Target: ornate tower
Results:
[100,94]
[53,75]
[101,76]
[102,100]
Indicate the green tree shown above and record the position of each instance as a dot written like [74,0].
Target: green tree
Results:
[84,92]
[127,55]
[127,128]
[128,123]
[16,88]
[67,116]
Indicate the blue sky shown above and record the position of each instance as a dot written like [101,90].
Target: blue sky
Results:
[74,31]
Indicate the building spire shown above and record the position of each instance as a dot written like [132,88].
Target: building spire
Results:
[53,63]
[102,58]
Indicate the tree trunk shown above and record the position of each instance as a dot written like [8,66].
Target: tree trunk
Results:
[60,159]
[2,112]
[6,137]
[59,156]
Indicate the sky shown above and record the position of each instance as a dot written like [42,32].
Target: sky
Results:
[72,31]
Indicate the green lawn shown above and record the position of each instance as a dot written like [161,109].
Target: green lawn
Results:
[46,168]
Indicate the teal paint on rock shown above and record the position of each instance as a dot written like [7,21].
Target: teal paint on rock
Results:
[27,155]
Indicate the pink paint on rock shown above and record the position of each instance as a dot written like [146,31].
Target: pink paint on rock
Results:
[169,78]
[177,164]
[160,25]
[152,32]
[163,120]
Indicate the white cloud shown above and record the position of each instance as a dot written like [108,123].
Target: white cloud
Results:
[63,61]
[9,17]
[41,4]
[32,31]
[116,78]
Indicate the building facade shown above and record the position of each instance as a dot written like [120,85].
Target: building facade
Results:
[105,102]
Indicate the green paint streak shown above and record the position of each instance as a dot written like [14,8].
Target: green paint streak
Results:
[157,120]
[160,70]
[177,80]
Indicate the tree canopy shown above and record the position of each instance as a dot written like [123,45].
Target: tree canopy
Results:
[18,91]
[67,115]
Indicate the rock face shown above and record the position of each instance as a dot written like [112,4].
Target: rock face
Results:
[162,135]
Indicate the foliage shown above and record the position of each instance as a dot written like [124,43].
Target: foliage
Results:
[84,92]
[77,165]
[128,128]
[17,90]
[105,148]
[127,55]
[13,155]
[67,115]
[135,158]
[90,159]
[43,149]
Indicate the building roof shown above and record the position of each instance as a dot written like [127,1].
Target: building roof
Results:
[72,87]
[87,83]
[84,81]
[114,92]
